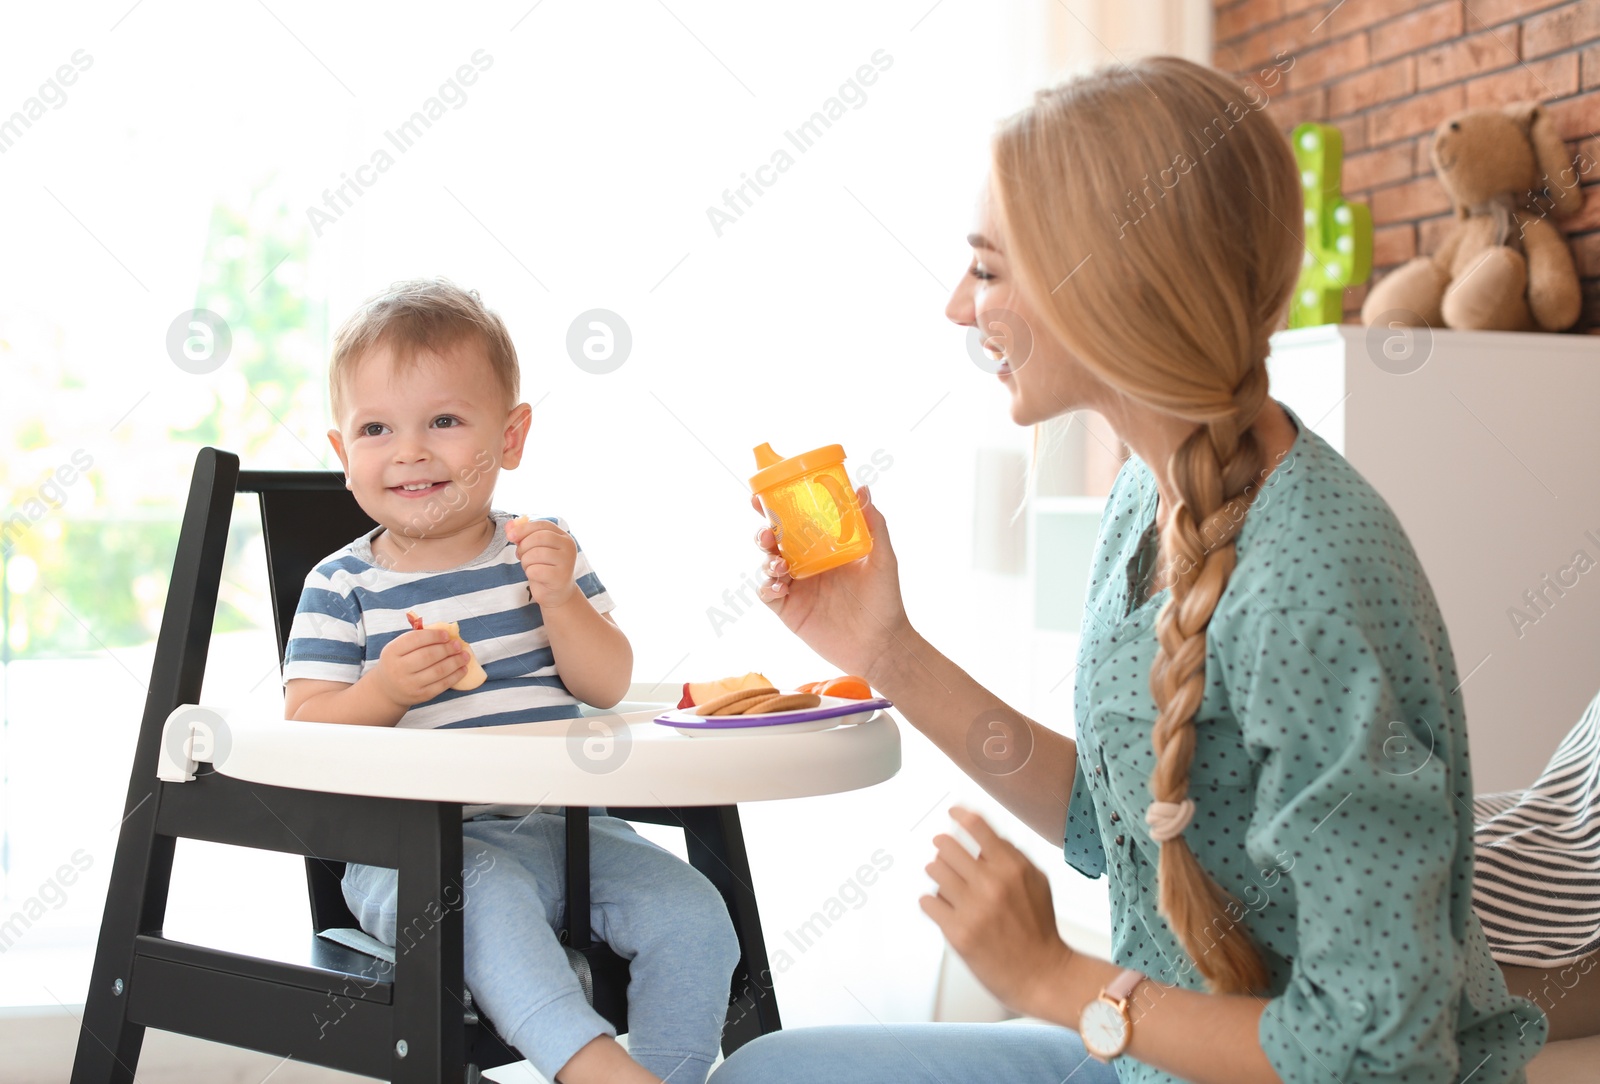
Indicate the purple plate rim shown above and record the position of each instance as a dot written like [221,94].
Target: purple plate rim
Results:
[804,715]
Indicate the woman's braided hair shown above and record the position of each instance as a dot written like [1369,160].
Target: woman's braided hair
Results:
[1153,213]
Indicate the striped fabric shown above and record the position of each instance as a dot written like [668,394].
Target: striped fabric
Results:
[1536,886]
[350,609]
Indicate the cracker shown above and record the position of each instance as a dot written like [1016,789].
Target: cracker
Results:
[719,705]
[780,702]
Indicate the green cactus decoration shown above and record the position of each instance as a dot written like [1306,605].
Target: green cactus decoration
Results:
[1338,233]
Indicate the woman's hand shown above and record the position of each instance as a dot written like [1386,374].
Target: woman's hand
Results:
[996,912]
[852,615]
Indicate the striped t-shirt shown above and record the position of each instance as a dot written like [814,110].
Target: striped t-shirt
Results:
[351,607]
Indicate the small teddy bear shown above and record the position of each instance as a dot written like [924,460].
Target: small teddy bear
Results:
[1505,266]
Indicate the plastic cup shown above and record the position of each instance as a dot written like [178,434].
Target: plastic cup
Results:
[813,509]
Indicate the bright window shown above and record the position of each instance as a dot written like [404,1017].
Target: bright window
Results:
[782,280]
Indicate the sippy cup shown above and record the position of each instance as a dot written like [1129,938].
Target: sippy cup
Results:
[813,509]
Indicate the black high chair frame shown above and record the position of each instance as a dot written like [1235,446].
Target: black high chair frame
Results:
[332,1005]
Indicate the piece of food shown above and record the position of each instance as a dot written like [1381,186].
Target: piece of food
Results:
[728,702]
[474,675]
[700,692]
[780,702]
[850,687]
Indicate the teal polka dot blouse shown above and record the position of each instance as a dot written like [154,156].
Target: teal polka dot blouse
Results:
[1332,790]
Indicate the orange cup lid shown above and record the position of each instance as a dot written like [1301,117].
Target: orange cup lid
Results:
[775,469]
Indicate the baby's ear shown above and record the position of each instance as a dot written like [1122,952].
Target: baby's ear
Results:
[518,423]
[336,439]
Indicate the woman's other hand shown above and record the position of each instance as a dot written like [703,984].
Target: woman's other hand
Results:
[852,615]
[996,911]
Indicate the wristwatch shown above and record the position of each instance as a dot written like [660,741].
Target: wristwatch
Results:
[1106,1026]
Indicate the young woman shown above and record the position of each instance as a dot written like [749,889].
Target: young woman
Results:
[1271,761]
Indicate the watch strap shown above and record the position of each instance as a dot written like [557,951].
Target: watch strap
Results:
[1122,986]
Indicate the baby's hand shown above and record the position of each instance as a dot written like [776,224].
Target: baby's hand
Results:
[417,666]
[548,555]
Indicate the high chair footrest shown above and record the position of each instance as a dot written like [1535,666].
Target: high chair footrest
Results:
[279,1018]
[323,965]
[361,941]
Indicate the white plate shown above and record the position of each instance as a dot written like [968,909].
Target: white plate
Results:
[833,711]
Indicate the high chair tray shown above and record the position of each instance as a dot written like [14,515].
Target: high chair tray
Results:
[622,759]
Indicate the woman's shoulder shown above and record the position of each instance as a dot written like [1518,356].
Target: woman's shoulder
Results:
[1320,539]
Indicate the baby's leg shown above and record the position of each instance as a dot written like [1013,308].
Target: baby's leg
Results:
[658,911]
[513,963]
[916,1054]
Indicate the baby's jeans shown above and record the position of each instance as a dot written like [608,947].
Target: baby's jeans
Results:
[1016,1053]
[651,907]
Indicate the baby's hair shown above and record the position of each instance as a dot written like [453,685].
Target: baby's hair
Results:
[434,315]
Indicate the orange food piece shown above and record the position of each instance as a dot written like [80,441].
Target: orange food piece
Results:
[849,687]
[475,675]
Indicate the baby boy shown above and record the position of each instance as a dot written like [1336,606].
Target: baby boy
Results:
[424,383]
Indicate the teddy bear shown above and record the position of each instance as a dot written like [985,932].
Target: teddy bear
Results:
[1504,265]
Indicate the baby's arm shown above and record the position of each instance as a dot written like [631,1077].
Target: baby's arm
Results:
[413,668]
[592,655]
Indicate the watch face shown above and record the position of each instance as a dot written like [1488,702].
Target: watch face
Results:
[1102,1028]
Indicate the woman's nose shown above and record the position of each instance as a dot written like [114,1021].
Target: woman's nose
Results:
[960,308]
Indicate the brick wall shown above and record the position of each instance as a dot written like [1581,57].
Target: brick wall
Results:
[1387,71]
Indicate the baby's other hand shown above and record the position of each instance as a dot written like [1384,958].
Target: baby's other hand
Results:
[417,666]
[548,555]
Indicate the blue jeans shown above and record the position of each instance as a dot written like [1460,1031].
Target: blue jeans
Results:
[916,1054]
[647,904]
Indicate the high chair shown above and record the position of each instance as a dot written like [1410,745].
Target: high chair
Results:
[331,1004]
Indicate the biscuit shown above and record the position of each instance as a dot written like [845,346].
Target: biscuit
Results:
[780,702]
[720,705]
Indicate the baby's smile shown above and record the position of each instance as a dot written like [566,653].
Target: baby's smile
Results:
[417,489]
